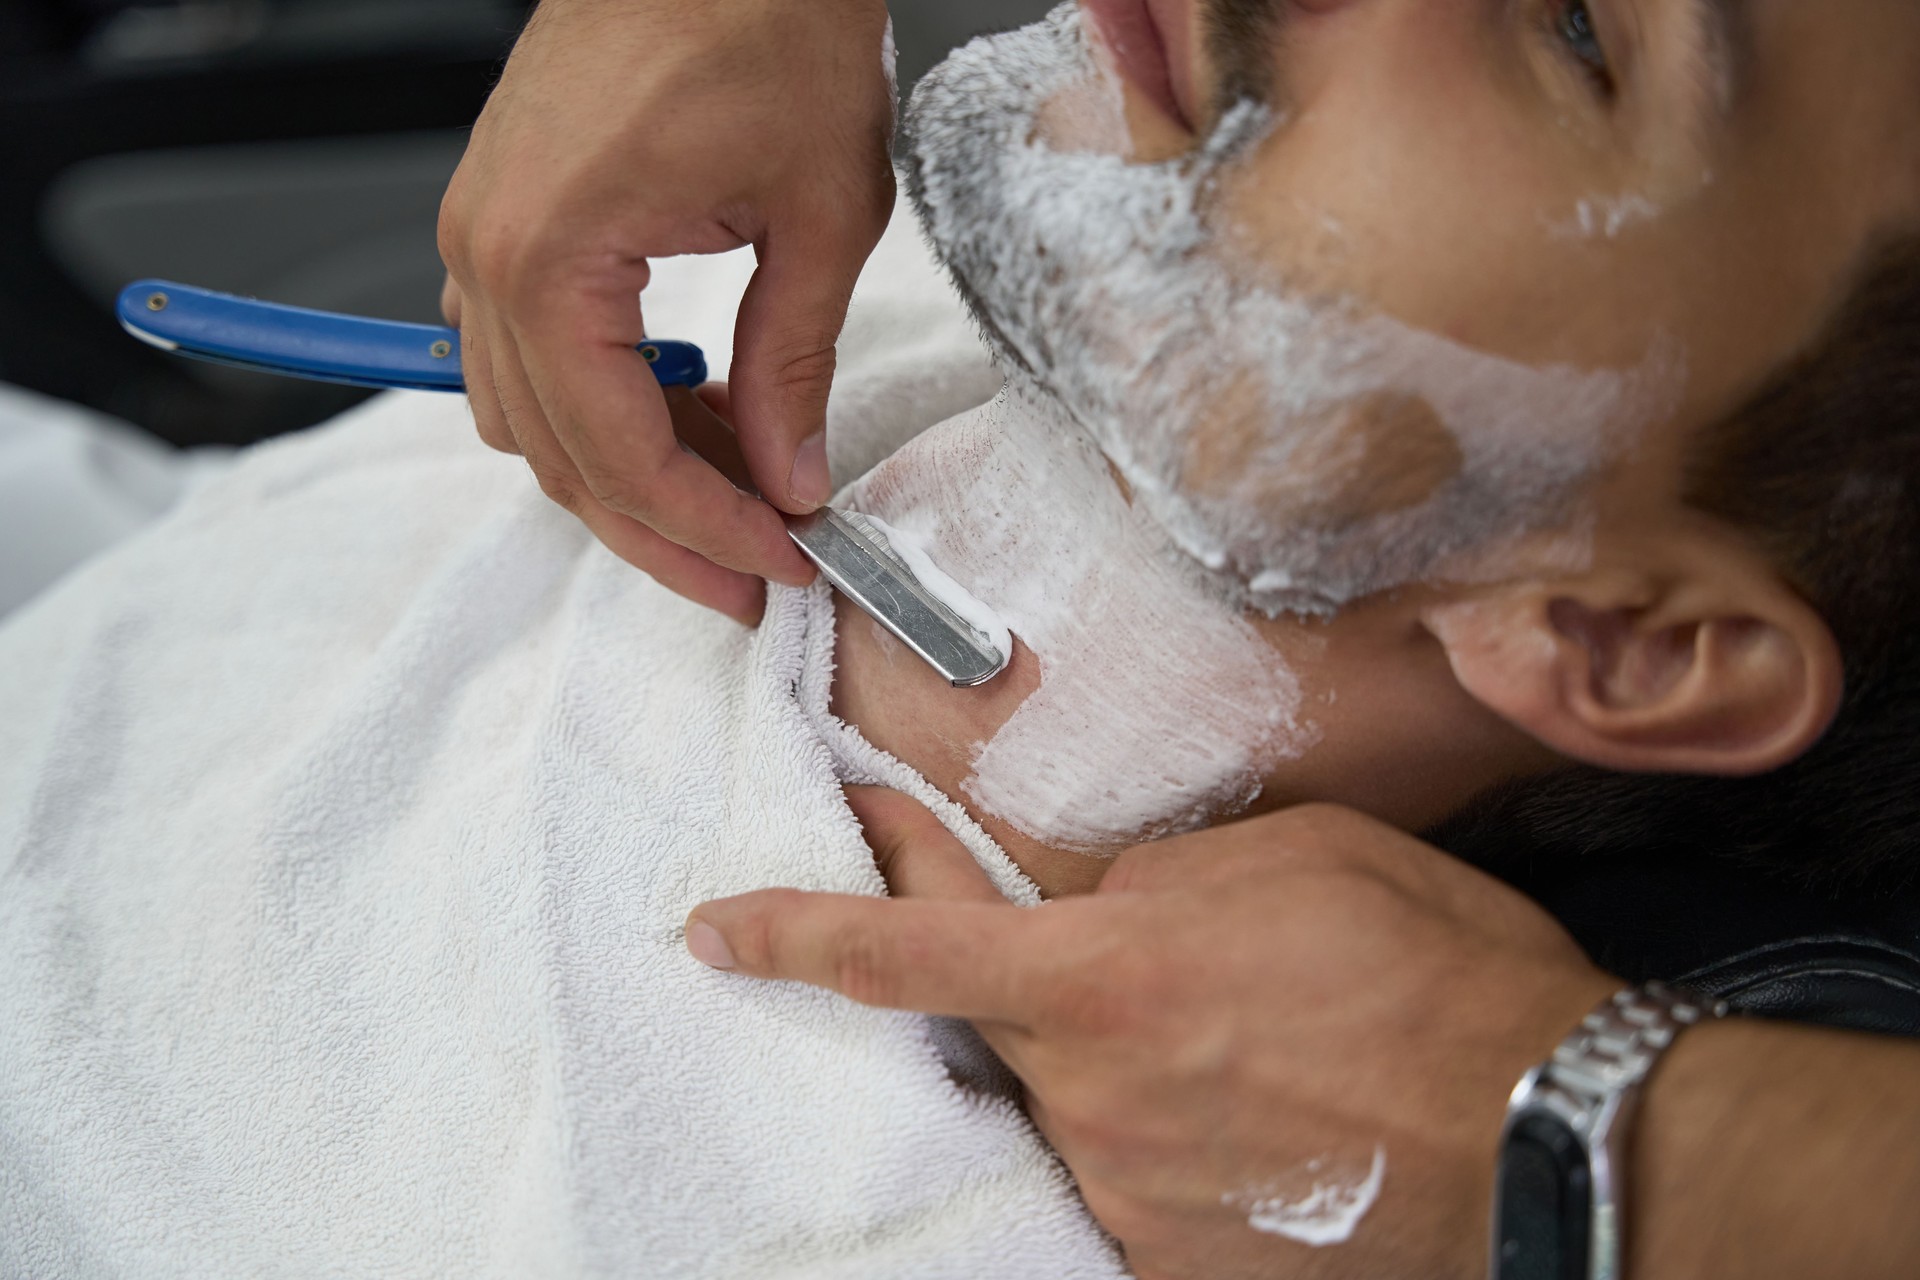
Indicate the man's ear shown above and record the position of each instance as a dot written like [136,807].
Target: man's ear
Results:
[1719,668]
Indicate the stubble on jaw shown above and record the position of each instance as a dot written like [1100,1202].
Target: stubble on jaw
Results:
[1241,36]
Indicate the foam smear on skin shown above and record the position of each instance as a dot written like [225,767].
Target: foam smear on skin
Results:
[917,552]
[1327,1213]
[1607,217]
[1138,339]
[1159,708]
[1235,409]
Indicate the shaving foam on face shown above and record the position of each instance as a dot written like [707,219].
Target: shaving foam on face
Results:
[1307,452]
[1607,217]
[1159,708]
[916,550]
[1278,450]
[1327,1212]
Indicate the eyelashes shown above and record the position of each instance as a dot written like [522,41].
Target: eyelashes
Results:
[1574,30]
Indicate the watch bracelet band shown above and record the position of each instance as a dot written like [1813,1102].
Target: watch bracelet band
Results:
[1615,1046]
[1591,1084]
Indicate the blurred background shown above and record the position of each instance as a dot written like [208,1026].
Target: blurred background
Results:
[293,150]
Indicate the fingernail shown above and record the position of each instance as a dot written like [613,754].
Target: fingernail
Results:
[708,947]
[810,486]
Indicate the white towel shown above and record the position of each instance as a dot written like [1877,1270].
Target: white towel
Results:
[74,482]
[348,820]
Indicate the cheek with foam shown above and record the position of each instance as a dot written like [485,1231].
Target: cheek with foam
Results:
[1159,708]
[1369,455]
[1308,453]
[1087,115]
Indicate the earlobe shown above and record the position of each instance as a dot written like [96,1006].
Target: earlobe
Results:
[1734,678]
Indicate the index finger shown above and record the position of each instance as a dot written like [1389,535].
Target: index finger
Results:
[610,415]
[952,959]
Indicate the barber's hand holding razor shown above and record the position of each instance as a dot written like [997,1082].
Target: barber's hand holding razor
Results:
[624,130]
[1313,1000]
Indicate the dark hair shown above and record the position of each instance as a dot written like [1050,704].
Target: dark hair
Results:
[1822,469]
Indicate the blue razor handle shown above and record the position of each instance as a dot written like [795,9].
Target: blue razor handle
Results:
[324,347]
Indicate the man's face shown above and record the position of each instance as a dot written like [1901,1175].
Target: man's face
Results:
[1373,309]
[1459,261]
[1569,180]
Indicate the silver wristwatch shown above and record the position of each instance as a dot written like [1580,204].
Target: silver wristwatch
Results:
[1557,1212]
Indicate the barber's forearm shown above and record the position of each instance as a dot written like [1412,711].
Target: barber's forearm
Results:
[1765,1150]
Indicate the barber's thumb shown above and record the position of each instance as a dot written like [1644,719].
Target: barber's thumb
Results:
[916,854]
[784,361]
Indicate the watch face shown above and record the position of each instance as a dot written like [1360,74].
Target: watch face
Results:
[1544,1202]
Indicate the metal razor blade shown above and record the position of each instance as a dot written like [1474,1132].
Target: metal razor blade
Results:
[857,558]
[323,346]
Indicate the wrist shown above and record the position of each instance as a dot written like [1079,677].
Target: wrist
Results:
[1773,1150]
[1690,1128]
[1565,1187]
[1768,1149]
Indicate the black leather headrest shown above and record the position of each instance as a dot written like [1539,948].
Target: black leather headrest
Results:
[1834,956]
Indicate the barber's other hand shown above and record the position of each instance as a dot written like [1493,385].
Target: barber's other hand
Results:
[624,130]
[1233,1017]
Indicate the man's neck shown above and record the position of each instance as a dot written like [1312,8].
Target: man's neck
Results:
[902,707]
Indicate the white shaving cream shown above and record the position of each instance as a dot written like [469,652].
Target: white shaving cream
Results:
[1326,1213]
[915,549]
[1607,217]
[1252,422]
[1159,709]
[1263,438]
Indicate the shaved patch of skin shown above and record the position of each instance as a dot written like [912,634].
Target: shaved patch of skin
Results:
[1381,452]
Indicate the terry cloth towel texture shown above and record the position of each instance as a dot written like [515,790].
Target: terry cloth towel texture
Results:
[74,482]
[348,820]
